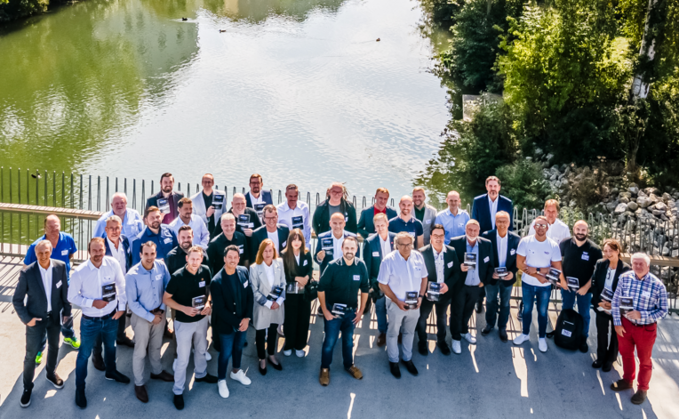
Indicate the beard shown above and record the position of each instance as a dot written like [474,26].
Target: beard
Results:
[167,189]
[349,256]
[155,225]
[581,237]
[185,246]
[97,258]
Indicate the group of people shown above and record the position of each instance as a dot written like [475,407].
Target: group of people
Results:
[209,268]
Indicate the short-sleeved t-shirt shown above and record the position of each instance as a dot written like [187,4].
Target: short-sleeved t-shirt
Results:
[63,251]
[579,261]
[341,283]
[412,226]
[184,286]
[538,255]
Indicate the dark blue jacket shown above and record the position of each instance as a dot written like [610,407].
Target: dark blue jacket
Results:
[481,211]
[372,256]
[259,235]
[366,227]
[126,247]
[485,258]
[30,289]
[232,300]
[510,263]
[266,197]
[165,241]
[329,258]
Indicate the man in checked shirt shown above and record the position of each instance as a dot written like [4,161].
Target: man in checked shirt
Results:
[638,327]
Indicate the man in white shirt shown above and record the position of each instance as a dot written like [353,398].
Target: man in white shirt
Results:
[403,280]
[535,256]
[558,230]
[329,244]
[98,287]
[132,221]
[201,237]
[295,213]
[209,204]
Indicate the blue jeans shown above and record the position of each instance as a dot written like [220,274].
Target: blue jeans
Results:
[90,328]
[344,324]
[584,302]
[492,292]
[530,293]
[231,344]
[381,313]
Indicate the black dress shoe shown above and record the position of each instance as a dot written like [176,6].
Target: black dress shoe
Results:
[639,397]
[98,362]
[503,335]
[178,401]
[607,367]
[164,376]
[142,395]
[262,370]
[486,329]
[277,367]
[210,379]
[55,380]
[125,341]
[443,347]
[584,347]
[26,398]
[395,370]
[597,364]
[80,399]
[118,377]
[479,307]
[410,367]
[422,348]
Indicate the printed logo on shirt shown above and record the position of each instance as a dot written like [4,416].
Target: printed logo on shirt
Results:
[64,252]
[58,284]
[357,277]
[168,240]
[376,254]
[201,284]
[585,256]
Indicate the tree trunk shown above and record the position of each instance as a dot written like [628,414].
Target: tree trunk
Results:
[640,85]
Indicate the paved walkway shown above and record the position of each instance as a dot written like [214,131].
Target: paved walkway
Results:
[488,380]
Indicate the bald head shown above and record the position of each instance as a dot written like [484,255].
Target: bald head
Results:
[337,224]
[406,207]
[238,203]
[52,226]
[580,230]
[453,201]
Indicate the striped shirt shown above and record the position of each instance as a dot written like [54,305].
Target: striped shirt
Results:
[649,296]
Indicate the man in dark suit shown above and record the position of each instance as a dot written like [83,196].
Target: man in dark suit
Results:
[166,199]
[329,244]
[257,198]
[232,303]
[279,232]
[504,244]
[44,287]
[443,267]
[486,206]
[335,203]
[365,222]
[375,248]
[476,272]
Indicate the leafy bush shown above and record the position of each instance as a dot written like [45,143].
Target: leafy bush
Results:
[16,9]
[524,183]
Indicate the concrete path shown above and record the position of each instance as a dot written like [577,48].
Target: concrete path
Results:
[488,380]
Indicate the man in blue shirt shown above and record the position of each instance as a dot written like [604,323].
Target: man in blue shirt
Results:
[64,248]
[453,219]
[406,221]
[132,223]
[158,233]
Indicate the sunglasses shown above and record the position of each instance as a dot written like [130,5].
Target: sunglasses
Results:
[541,225]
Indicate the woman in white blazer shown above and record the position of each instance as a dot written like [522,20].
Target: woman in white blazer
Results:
[268,287]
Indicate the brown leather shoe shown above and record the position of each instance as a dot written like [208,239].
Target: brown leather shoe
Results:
[381,340]
[165,376]
[621,385]
[355,372]
[639,397]
[142,395]
[324,377]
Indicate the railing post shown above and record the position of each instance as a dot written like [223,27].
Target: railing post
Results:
[108,193]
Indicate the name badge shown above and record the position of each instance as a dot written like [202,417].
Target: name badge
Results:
[283,244]
[201,284]
[306,262]
[585,256]
[646,294]
[245,284]
[64,252]
[168,240]
[512,252]
[412,234]
[357,277]
[376,254]
[58,284]
[159,277]
[450,264]
[346,219]
[240,249]
[428,222]
[486,259]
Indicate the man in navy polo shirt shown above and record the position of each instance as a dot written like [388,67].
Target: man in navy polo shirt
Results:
[405,221]
[160,234]
[64,248]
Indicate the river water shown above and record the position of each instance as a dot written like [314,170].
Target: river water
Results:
[297,90]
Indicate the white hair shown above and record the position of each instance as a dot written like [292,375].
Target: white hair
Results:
[640,255]
[120,195]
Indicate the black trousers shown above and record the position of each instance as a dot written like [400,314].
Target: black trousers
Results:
[461,309]
[441,309]
[605,351]
[296,325]
[34,342]
[99,344]
[261,339]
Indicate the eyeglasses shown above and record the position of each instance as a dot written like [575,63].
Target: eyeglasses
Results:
[541,225]
[270,218]
[438,236]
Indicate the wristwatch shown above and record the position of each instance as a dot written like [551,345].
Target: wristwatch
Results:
[421,296]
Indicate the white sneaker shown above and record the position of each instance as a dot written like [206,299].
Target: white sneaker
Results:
[457,347]
[208,357]
[287,352]
[521,339]
[223,389]
[300,354]
[469,338]
[542,344]
[240,377]
[174,364]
